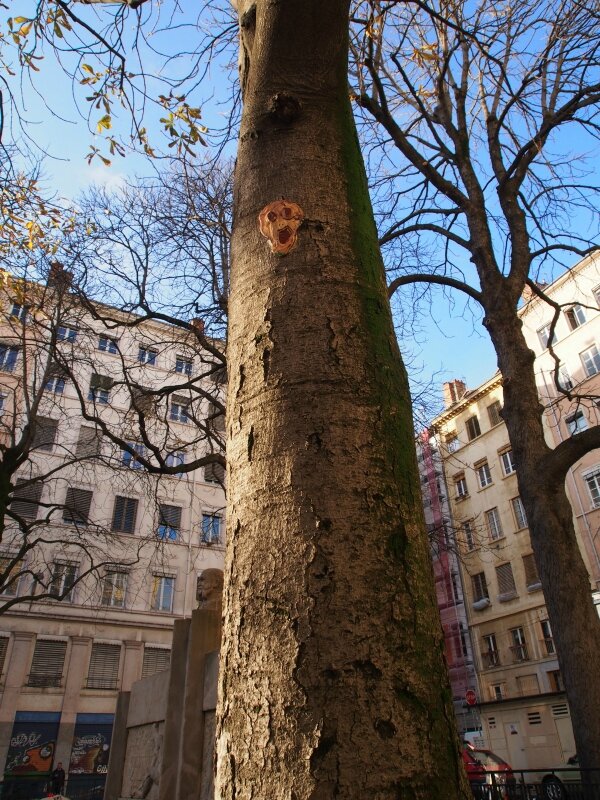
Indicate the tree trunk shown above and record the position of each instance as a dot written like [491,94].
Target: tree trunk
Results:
[333,681]
[564,577]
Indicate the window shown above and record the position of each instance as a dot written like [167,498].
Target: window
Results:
[47,663]
[169,522]
[147,356]
[490,655]
[211,528]
[596,293]
[492,518]
[103,671]
[452,443]
[2,401]
[124,514]
[183,365]
[10,575]
[175,460]
[129,459]
[547,637]
[26,499]
[88,443]
[44,433]
[528,685]
[66,334]
[494,411]
[557,684]
[156,659]
[77,506]
[479,585]
[484,476]
[593,484]
[20,312]
[544,336]
[63,580]
[532,579]
[506,582]
[519,512]
[507,460]
[590,359]
[473,429]
[3,649]
[55,384]
[576,422]
[519,645]
[575,316]
[460,486]
[179,409]
[214,473]
[564,379]
[107,345]
[469,534]
[497,691]
[216,418]
[114,587]
[8,357]
[100,386]
[163,587]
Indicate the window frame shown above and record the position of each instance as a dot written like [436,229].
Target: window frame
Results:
[507,458]
[495,531]
[210,528]
[484,474]
[573,422]
[588,477]
[575,316]
[184,365]
[473,427]
[494,413]
[147,355]
[9,355]
[65,333]
[160,583]
[111,345]
[592,358]
[461,488]
[518,510]
[124,514]
[479,587]
[110,599]
[64,577]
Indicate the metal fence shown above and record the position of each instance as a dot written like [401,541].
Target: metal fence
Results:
[553,784]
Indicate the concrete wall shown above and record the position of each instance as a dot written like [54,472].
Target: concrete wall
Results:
[164,730]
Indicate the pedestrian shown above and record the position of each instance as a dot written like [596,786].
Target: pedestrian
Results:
[57,779]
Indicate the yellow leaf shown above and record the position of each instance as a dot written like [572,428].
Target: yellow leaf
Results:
[104,123]
[87,68]
[24,29]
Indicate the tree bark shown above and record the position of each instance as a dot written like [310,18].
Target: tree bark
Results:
[333,682]
[565,581]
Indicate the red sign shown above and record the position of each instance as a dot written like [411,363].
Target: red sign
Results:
[470,697]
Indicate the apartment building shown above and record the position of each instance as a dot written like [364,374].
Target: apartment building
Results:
[521,698]
[100,554]
[571,366]
[448,584]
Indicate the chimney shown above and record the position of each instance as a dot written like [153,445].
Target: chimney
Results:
[198,324]
[453,392]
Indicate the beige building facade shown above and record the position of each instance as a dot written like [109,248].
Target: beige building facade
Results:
[121,545]
[524,713]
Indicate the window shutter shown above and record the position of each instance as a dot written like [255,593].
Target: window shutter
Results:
[101,381]
[77,505]
[214,473]
[48,662]
[124,514]
[103,672]
[506,581]
[494,413]
[216,418]
[89,442]
[26,499]
[156,659]
[532,579]
[170,515]
[3,649]
[44,433]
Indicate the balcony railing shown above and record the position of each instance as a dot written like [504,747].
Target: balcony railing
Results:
[519,653]
[490,658]
[43,681]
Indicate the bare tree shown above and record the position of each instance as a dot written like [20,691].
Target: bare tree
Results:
[473,105]
[66,360]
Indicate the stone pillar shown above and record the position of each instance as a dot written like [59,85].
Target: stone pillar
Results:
[132,664]
[16,676]
[76,672]
[118,749]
